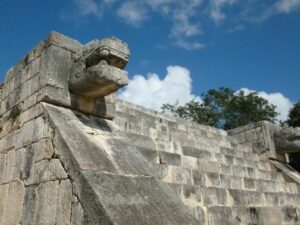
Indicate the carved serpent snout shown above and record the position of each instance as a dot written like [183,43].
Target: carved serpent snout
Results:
[287,140]
[98,68]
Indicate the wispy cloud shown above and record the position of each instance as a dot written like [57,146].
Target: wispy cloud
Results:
[92,7]
[188,17]
[133,13]
[280,7]
[216,12]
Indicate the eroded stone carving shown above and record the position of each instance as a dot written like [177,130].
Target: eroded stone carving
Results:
[287,140]
[98,68]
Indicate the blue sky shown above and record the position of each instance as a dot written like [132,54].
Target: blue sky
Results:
[204,44]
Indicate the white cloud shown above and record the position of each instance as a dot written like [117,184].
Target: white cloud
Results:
[133,13]
[282,103]
[216,12]
[152,92]
[280,7]
[92,7]
[286,6]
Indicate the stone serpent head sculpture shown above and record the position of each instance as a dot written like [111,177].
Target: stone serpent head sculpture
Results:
[98,68]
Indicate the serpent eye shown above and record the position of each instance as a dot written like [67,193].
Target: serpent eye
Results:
[104,53]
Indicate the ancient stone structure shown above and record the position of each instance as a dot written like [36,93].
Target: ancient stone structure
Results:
[72,154]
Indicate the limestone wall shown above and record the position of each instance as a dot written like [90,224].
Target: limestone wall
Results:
[35,187]
[219,178]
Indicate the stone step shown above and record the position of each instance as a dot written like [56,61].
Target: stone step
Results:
[227,159]
[180,175]
[285,215]
[213,196]
[208,164]
[209,179]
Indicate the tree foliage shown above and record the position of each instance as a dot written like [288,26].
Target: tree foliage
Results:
[225,108]
[294,116]
[294,121]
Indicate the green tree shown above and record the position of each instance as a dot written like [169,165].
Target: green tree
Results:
[194,111]
[225,108]
[294,121]
[294,116]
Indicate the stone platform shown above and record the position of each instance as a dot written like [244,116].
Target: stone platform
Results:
[75,156]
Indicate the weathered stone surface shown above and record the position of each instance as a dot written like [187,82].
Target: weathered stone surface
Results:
[3,200]
[64,203]
[13,210]
[30,209]
[287,140]
[47,203]
[97,69]
[130,200]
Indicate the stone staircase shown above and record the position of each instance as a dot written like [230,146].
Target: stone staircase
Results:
[218,180]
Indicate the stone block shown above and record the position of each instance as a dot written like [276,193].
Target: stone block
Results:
[46,170]
[250,163]
[8,174]
[212,180]
[31,113]
[225,181]
[47,203]
[63,42]
[290,215]
[78,215]
[181,175]
[267,186]
[238,162]
[14,207]
[169,158]
[141,140]
[201,214]
[228,160]
[236,182]
[198,178]
[227,151]
[239,171]
[53,65]
[208,166]
[149,154]
[189,162]
[29,87]
[273,199]
[3,200]
[43,149]
[252,173]
[54,95]
[64,203]
[195,152]
[192,194]
[225,169]
[214,196]
[249,184]
[220,215]
[31,70]
[246,198]
[2,166]
[30,206]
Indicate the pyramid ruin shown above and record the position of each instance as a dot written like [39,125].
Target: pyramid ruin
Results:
[71,153]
